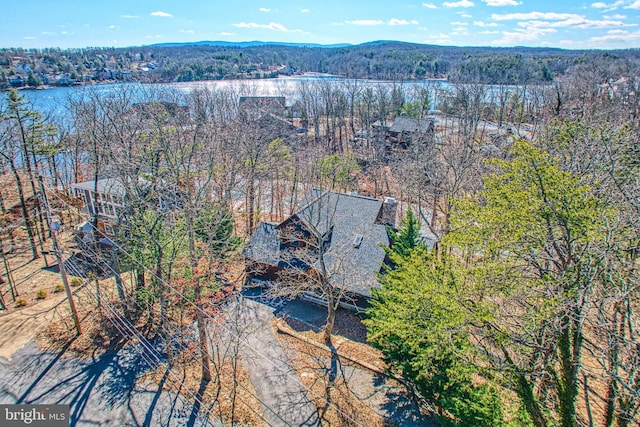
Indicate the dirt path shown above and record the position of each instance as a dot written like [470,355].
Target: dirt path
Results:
[19,327]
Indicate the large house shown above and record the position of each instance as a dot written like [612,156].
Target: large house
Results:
[351,230]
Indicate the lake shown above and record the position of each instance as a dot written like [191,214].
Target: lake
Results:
[54,100]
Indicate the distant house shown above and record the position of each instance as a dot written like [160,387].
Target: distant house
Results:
[406,130]
[65,80]
[295,110]
[272,127]
[354,228]
[17,81]
[256,106]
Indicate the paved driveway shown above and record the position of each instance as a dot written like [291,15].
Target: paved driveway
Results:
[283,397]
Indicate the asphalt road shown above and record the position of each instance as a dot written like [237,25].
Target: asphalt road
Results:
[100,391]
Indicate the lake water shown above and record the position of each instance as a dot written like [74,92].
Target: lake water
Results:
[54,100]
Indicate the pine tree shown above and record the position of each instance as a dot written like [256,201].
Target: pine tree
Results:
[407,238]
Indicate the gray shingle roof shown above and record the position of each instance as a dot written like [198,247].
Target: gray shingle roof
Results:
[408,124]
[354,254]
[264,245]
[105,186]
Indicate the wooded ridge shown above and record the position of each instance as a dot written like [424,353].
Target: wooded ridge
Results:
[205,60]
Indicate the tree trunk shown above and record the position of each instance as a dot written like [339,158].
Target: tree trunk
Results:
[25,211]
[331,318]
[119,284]
[164,318]
[251,194]
[525,392]
[567,385]
[201,324]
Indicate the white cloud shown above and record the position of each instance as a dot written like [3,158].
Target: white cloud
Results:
[273,26]
[608,6]
[48,33]
[557,20]
[464,15]
[616,36]
[365,22]
[616,16]
[29,38]
[461,3]
[430,5]
[129,16]
[490,32]
[634,5]
[224,33]
[265,9]
[441,38]
[578,23]
[395,21]
[498,3]
[187,31]
[484,24]
[161,14]
[304,10]
[531,15]
[522,35]
[111,27]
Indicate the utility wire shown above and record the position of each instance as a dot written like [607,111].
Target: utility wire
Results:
[181,345]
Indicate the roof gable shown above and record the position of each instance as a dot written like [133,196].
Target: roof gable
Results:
[350,226]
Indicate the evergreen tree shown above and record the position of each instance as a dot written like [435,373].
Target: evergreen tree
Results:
[408,236]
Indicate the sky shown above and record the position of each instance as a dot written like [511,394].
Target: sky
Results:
[570,24]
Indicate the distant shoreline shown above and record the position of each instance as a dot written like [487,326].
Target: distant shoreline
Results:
[309,74]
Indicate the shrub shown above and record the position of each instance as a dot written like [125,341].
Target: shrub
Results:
[59,288]
[20,302]
[42,294]
[76,281]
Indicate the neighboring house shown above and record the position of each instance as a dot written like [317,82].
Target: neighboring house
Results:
[406,130]
[354,229]
[271,127]
[295,110]
[257,106]
[102,202]
[106,202]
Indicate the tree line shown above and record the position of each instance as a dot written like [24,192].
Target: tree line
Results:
[376,60]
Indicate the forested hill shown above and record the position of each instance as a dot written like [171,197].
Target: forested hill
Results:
[224,60]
